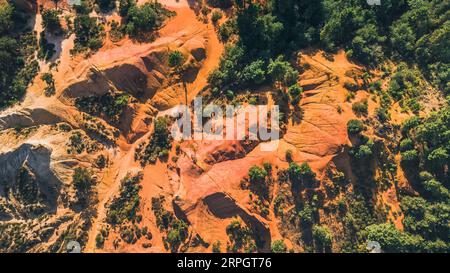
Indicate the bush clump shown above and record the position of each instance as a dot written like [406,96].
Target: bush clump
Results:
[126,206]
[159,145]
[354,127]
[110,105]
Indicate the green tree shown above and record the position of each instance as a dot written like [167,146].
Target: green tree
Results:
[125,6]
[295,93]
[216,247]
[216,16]
[253,73]
[282,71]
[83,180]
[410,156]
[438,158]
[259,33]
[406,144]
[50,20]
[257,174]
[355,126]
[322,238]
[106,5]
[403,38]
[144,18]
[6,17]
[390,238]
[360,108]
[176,58]
[88,35]
[302,173]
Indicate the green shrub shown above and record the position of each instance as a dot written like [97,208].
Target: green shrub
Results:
[126,206]
[227,29]
[364,152]
[106,5]
[410,156]
[253,73]
[48,79]
[216,247]
[282,71]
[360,108]
[406,144]
[176,58]
[382,114]
[257,174]
[159,145]
[301,174]
[50,20]
[110,105]
[410,124]
[436,189]
[177,230]
[288,155]
[278,246]
[99,241]
[124,7]
[295,93]
[82,180]
[389,238]
[88,34]
[322,238]
[46,49]
[241,238]
[216,16]
[144,18]
[354,127]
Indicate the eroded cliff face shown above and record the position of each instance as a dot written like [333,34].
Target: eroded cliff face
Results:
[203,183]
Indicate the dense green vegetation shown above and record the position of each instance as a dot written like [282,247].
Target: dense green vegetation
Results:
[139,22]
[176,58]
[46,49]
[48,79]
[109,105]
[17,46]
[145,18]
[301,175]
[241,238]
[124,212]
[176,230]
[429,141]
[106,5]
[369,34]
[278,246]
[355,127]
[50,21]
[88,33]
[425,159]
[125,207]
[322,238]
[84,183]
